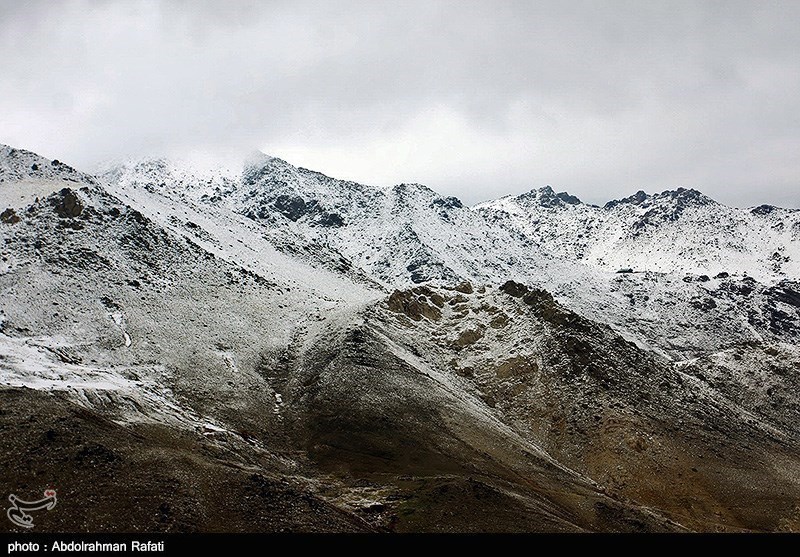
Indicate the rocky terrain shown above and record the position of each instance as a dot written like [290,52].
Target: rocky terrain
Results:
[270,349]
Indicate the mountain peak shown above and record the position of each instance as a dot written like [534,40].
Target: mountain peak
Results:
[19,164]
[547,197]
[412,186]
[11,155]
[688,195]
[681,197]
[259,165]
[257,159]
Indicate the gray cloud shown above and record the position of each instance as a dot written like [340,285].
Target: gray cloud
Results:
[475,99]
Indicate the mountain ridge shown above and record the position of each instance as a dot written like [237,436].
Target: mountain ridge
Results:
[407,235]
[625,221]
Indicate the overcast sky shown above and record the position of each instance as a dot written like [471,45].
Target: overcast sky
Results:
[475,99]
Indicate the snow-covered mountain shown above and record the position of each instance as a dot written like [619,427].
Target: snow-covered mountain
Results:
[673,231]
[408,234]
[435,238]
[264,347]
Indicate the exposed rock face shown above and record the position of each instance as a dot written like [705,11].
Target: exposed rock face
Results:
[67,204]
[415,304]
[448,203]
[763,210]
[636,199]
[470,336]
[292,207]
[514,289]
[9,216]
[464,287]
[517,366]
[546,197]
[499,321]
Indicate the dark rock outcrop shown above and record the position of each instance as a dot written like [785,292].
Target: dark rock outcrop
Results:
[9,216]
[413,304]
[66,204]
[514,289]
[291,207]
[467,337]
[464,287]
[763,210]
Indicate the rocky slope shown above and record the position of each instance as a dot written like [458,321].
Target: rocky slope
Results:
[272,349]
